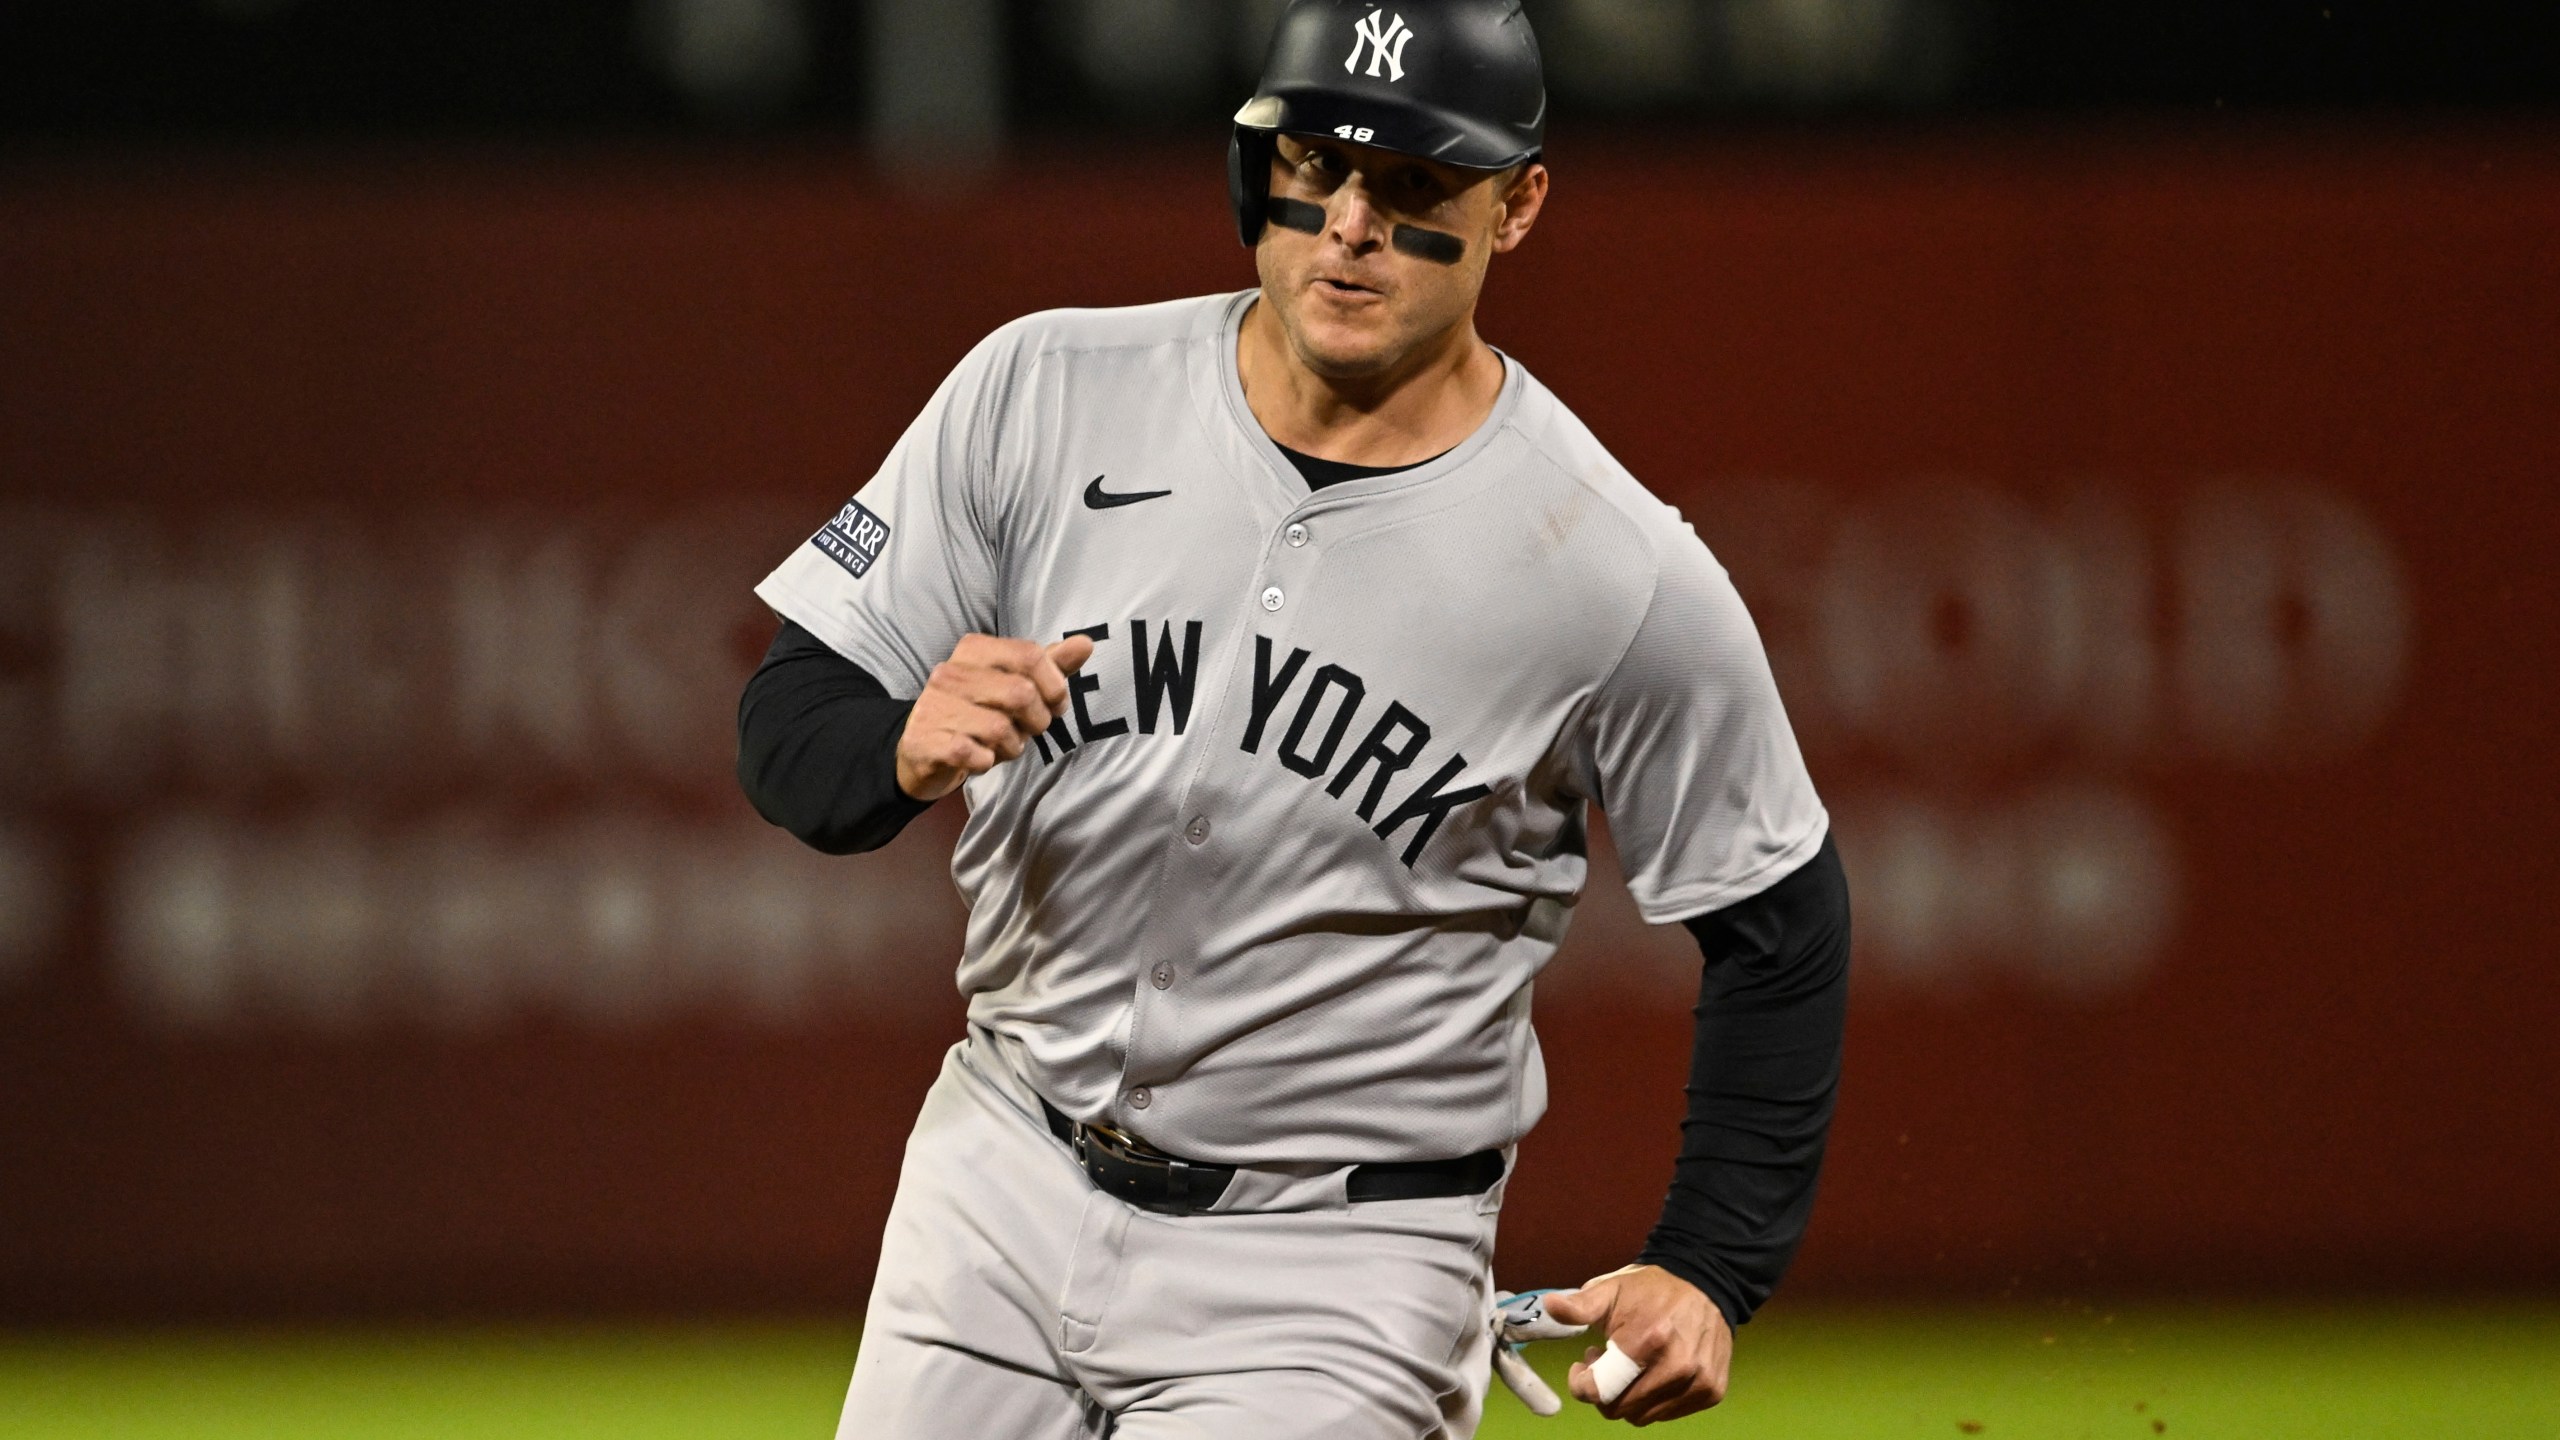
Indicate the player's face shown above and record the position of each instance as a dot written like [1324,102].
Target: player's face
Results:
[1355,297]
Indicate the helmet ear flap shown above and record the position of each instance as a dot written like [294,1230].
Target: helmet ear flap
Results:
[1249,180]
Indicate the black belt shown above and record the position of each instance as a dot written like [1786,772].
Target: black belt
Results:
[1122,1165]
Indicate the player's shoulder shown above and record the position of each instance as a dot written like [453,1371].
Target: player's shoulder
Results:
[1569,458]
[1072,331]
[1123,350]
[1657,574]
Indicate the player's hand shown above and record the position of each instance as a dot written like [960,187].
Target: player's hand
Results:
[981,707]
[1665,1324]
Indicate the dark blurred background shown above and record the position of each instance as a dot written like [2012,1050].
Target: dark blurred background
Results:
[989,71]
[2133,425]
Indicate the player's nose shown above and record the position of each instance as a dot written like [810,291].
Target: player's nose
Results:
[1356,222]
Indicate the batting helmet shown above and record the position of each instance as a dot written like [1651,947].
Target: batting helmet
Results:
[1456,81]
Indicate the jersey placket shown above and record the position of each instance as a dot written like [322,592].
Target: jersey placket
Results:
[1202,851]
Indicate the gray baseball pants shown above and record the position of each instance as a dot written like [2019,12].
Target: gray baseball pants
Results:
[1016,1302]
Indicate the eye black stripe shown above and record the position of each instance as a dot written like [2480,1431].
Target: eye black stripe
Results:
[1437,246]
[1297,215]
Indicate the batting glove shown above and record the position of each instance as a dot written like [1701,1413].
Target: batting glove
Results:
[1518,1319]
[1522,1317]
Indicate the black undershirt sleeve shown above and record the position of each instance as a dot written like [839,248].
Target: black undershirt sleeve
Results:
[1762,1077]
[818,747]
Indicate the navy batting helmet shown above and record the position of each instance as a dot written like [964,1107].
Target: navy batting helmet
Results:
[1457,81]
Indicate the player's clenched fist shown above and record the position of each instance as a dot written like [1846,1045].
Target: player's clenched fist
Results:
[1663,1323]
[981,706]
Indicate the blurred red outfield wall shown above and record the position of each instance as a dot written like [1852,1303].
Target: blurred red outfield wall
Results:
[2150,534]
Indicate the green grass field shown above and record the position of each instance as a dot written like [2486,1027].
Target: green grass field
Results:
[2385,1370]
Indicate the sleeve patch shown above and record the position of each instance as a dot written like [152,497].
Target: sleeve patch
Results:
[853,539]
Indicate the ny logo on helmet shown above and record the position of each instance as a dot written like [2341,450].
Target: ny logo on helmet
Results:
[1383,36]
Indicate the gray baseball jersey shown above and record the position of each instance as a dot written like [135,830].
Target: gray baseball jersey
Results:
[1277,886]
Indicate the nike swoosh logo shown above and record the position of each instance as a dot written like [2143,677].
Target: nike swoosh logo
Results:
[1097,498]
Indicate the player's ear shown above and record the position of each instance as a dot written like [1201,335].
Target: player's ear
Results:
[1524,194]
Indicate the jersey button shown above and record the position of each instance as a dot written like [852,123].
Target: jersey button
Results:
[1163,977]
[1197,832]
[1297,534]
[1272,598]
[1141,1098]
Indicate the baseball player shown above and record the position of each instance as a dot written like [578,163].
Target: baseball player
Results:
[1277,643]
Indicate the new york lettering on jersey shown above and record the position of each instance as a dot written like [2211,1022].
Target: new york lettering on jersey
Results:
[1332,699]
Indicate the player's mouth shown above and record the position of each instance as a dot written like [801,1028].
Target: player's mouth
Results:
[1348,291]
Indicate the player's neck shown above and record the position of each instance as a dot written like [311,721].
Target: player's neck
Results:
[1425,405]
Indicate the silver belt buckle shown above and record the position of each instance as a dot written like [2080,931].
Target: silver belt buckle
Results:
[1131,1153]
